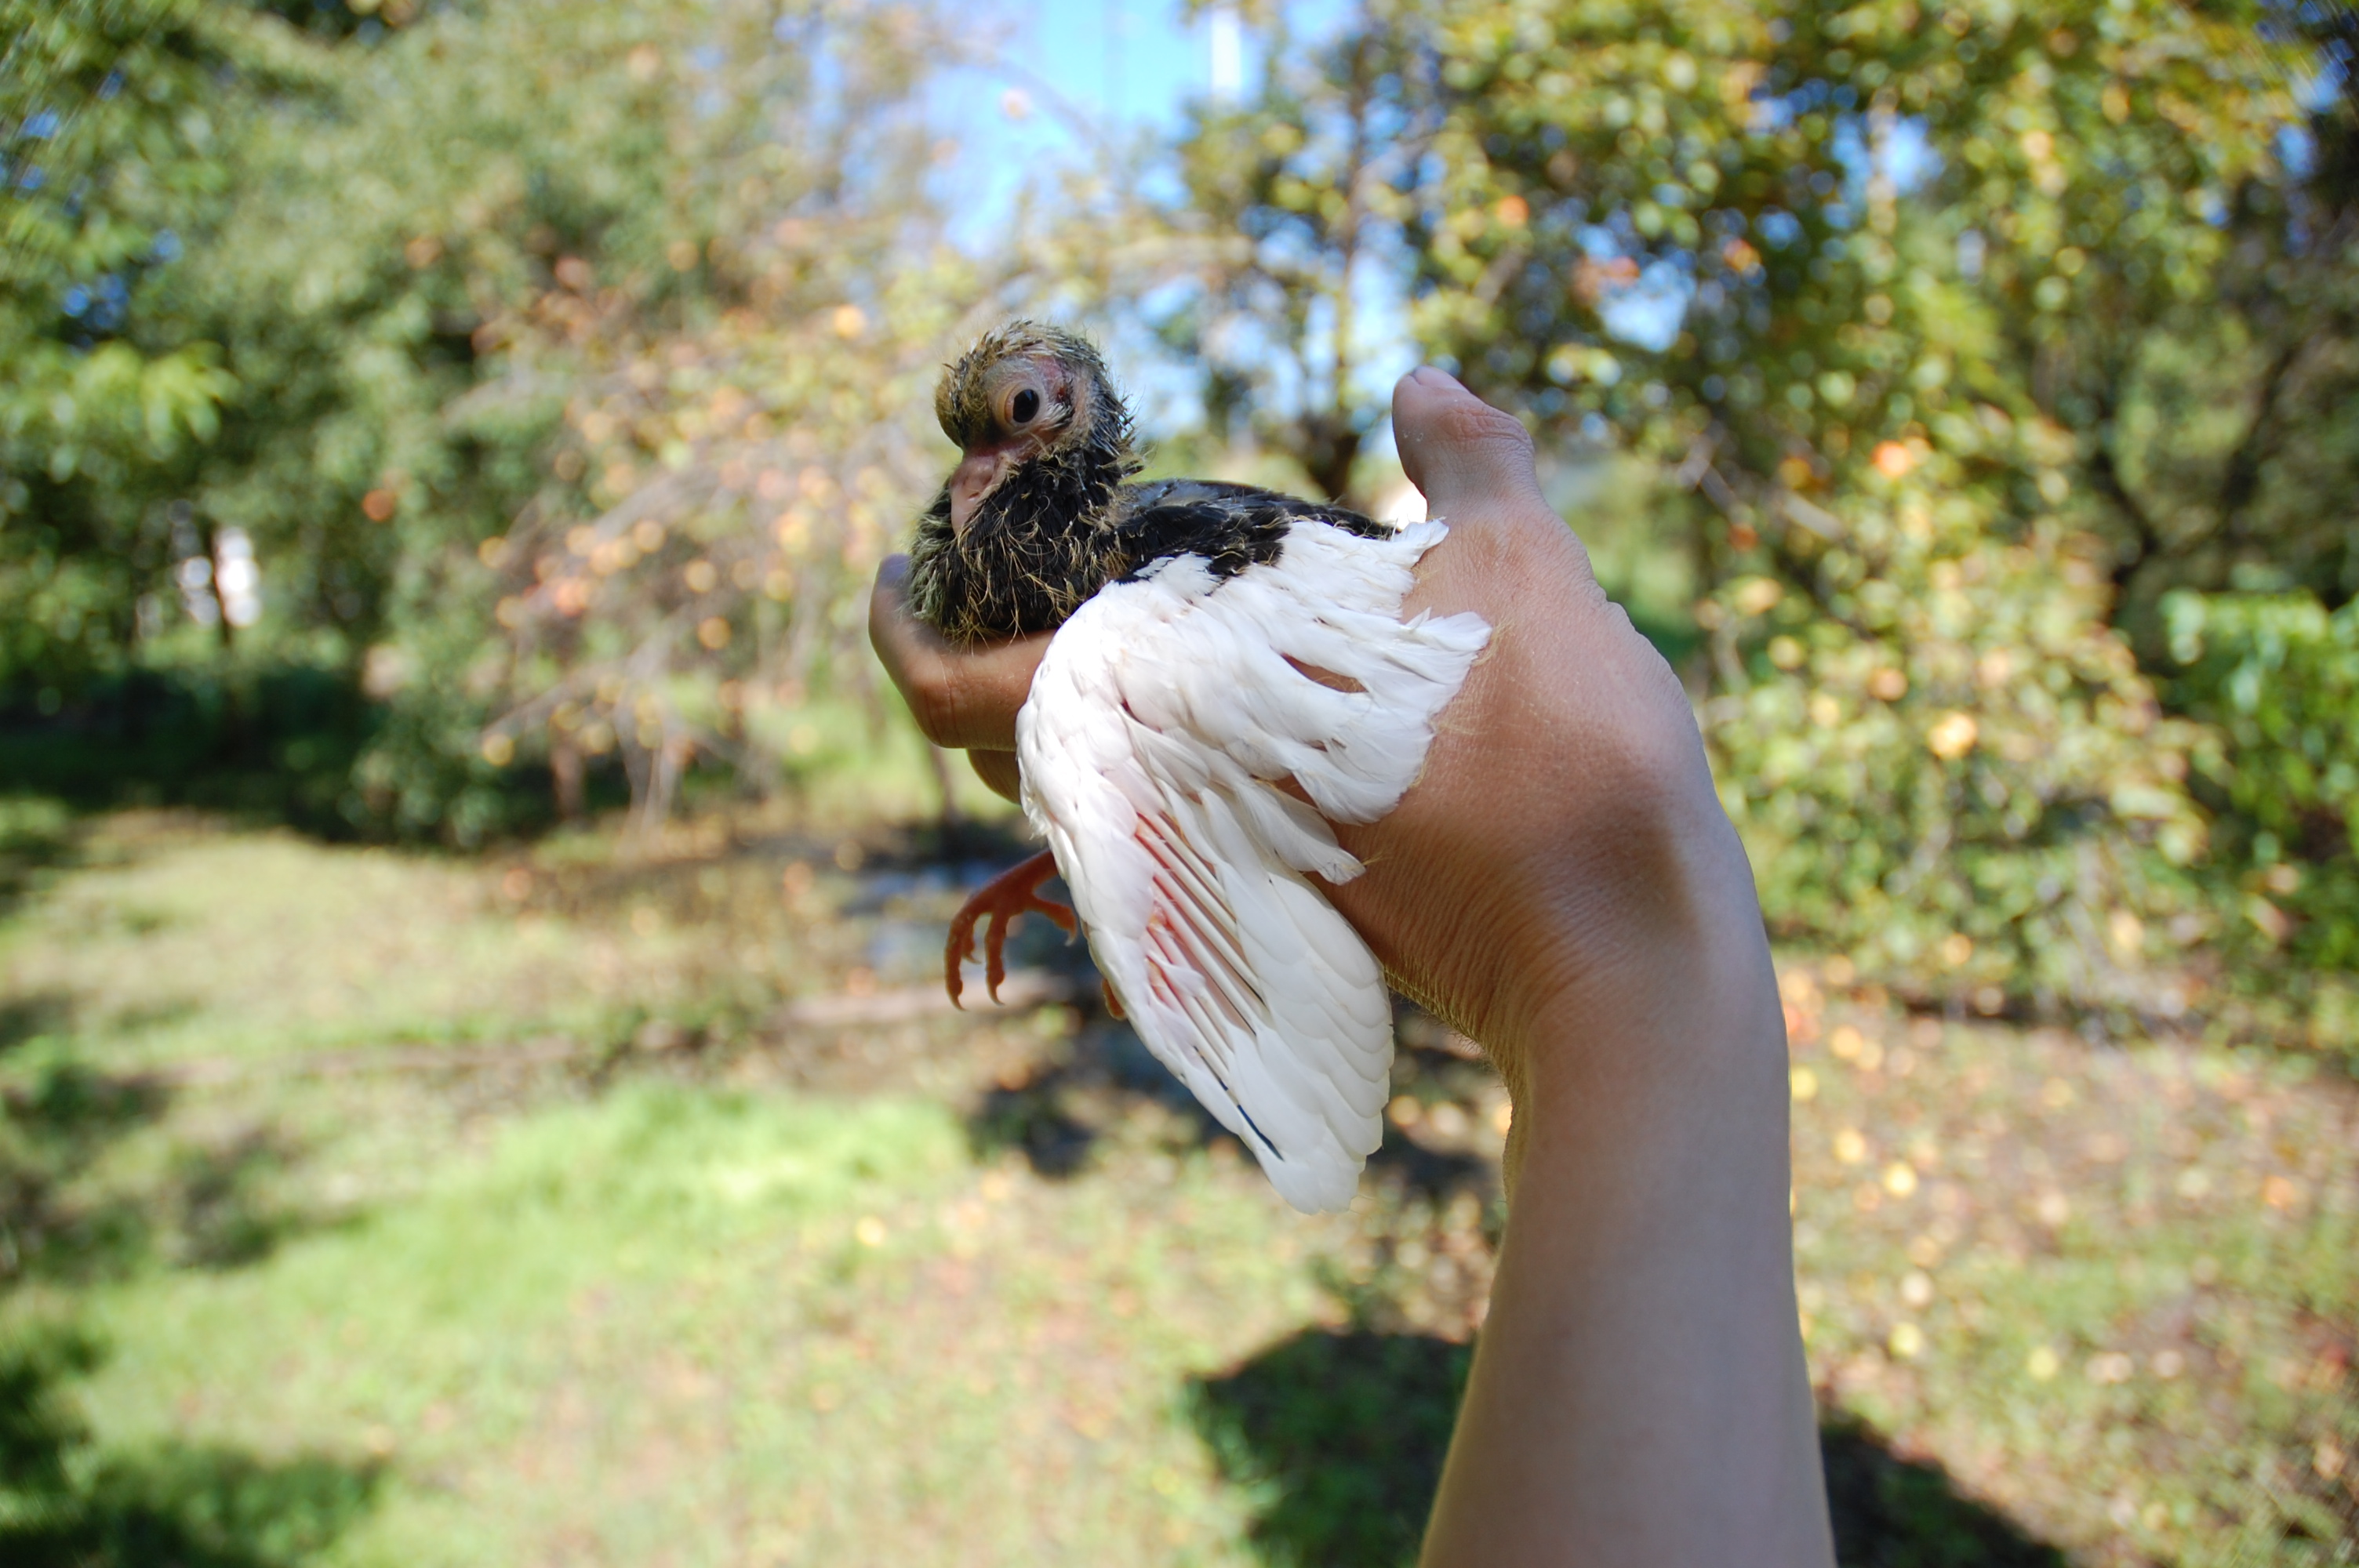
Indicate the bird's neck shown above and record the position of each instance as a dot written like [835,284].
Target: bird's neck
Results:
[1038,546]
[1072,489]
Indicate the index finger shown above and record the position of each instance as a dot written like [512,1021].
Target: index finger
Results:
[963,698]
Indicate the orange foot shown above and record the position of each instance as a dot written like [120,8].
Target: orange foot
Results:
[1006,897]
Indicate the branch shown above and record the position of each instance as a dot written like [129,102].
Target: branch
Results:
[2105,473]
[1696,471]
[2266,436]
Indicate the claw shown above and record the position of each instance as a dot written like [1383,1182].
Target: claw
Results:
[1006,899]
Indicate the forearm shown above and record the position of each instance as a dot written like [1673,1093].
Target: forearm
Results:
[1639,1394]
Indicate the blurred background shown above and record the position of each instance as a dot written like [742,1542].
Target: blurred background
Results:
[475,1081]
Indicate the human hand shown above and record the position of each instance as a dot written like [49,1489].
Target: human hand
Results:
[962,698]
[1563,854]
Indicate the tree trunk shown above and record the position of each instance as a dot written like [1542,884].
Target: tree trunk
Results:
[565,770]
[1327,451]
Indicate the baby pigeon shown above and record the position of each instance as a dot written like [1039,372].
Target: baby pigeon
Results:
[1211,641]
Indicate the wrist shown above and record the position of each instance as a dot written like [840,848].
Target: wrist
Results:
[1655,985]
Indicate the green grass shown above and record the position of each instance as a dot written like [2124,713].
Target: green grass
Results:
[2115,1290]
[702,1285]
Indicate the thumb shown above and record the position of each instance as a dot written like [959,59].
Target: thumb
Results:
[1466,456]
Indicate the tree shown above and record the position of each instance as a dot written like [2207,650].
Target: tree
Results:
[726,361]
[113,153]
[1855,226]
[384,292]
[1302,190]
[1889,291]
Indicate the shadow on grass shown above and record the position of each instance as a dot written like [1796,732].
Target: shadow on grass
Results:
[1891,1512]
[1036,1120]
[36,834]
[1340,1437]
[193,1506]
[53,1128]
[30,1016]
[227,1219]
[1410,1169]
[211,1206]
[1056,1115]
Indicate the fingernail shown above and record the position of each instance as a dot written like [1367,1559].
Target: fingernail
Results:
[1431,375]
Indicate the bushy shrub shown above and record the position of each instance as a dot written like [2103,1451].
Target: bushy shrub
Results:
[2278,674]
[424,775]
[1953,771]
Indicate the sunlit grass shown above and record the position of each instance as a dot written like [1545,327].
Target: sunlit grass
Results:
[2113,1288]
[704,1286]
[711,1328]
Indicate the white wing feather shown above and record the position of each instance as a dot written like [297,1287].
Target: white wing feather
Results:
[1164,711]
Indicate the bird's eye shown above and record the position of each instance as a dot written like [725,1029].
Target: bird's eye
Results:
[1023,406]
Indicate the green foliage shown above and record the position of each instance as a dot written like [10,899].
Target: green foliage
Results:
[373,281]
[422,774]
[2279,675]
[680,282]
[2092,170]
[470,180]
[1913,301]
[112,150]
[1962,333]
[1953,772]
[694,579]
[389,231]
[1295,200]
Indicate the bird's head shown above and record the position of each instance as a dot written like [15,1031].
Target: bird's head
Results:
[1008,547]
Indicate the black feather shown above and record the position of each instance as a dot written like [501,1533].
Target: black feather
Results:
[1233,526]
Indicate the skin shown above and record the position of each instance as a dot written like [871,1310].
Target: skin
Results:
[1562,886]
[986,463]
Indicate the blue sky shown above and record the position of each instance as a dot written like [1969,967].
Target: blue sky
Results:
[1127,64]
[1131,65]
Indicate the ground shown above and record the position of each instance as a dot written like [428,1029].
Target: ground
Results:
[640,1202]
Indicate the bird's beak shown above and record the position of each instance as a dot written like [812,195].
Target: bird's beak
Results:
[971,482]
